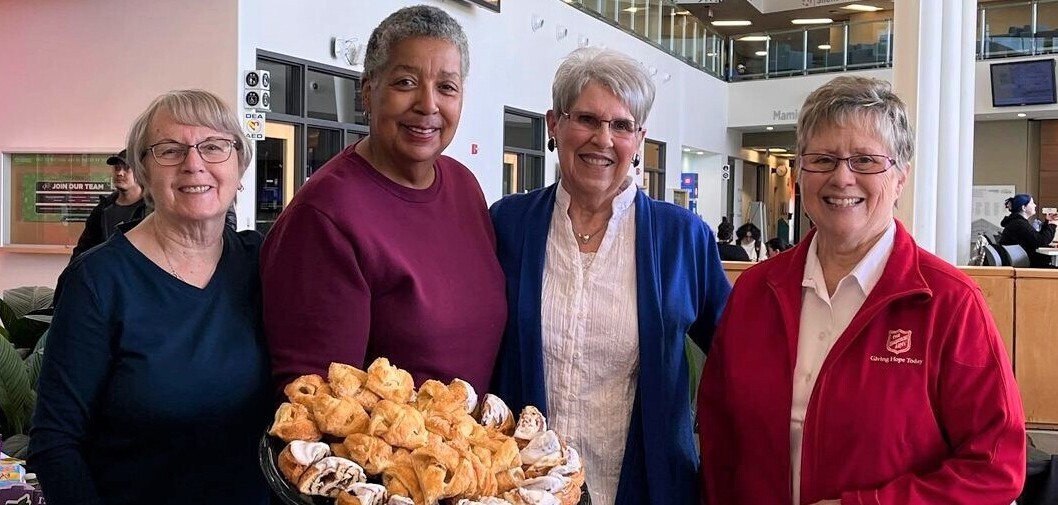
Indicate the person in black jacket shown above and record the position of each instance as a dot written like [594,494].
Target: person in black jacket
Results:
[1018,230]
[124,205]
[728,251]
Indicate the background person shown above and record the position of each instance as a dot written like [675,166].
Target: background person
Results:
[155,386]
[603,285]
[889,382]
[748,236]
[1017,230]
[728,251]
[124,205]
[388,250]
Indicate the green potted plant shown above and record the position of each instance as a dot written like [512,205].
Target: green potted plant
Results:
[25,315]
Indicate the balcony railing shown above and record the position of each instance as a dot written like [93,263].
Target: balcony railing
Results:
[1017,29]
[831,48]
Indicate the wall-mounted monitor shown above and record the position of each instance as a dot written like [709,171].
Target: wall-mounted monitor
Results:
[488,4]
[1023,83]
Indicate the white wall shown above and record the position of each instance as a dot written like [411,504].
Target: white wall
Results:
[74,75]
[510,65]
[777,101]
[710,184]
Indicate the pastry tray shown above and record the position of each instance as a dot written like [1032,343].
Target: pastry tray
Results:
[268,454]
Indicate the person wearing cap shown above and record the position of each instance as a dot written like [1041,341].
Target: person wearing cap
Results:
[125,204]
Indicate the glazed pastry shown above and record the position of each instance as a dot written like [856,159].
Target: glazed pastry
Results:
[487,500]
[571,467]
[399,425]
[496,414]
[293,422]
[400,500]
[362,494]
[530,424]
[550,483]
[304,388]
[520,496]
[299,455]
[370,452]
[389,382]
[463,390]
[544,446]
[339,417]
[345,380]
[329,476]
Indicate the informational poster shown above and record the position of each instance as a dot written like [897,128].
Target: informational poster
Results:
[689,181]
[74,199]
[51,194]
[989,209]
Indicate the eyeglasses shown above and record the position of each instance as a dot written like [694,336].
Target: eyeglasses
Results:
[211,150]
[619,127]
[860,163]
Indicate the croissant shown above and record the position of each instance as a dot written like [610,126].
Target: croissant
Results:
[293,422]
[329,476]
[340,417]
[509,479]
[362,494]
[530,424]
[464,391]
[299,455]
[303,389]
[345,380]
[399,425]
[400,480]
[389,382]
[431,464]
[495,414]
[370,452]
[367,399]
[433,395]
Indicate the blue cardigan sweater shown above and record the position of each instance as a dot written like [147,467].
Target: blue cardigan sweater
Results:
[681,291]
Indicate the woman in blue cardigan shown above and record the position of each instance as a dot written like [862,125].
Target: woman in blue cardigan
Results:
[603,285]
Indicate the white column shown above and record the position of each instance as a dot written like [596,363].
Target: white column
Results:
[934,73]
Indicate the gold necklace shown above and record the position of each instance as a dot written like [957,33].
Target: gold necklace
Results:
[584,238]
[172,270]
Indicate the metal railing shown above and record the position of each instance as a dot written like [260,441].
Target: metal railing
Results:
[1022,28]
[828,48]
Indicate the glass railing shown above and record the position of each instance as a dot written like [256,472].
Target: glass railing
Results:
[831,48]
[1017,29]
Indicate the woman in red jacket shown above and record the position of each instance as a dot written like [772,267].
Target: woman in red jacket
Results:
[858,368]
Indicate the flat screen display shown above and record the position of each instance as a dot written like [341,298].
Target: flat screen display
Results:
[1023,83]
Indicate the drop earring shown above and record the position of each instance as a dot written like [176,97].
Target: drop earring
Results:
[551,144]
[635,162]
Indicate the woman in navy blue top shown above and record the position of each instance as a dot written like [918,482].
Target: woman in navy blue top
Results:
[155,383]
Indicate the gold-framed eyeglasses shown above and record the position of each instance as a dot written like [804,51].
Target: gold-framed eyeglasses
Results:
[860,163]
[171,153]
[619,127]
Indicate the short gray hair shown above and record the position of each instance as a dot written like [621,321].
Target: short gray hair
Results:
[865,101]
[409,22]
[624,76]
[193,107]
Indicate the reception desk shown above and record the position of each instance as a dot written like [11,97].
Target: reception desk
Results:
[1024,304]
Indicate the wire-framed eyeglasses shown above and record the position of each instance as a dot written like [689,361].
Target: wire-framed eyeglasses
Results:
[859,163]
[619,127]
[171,153]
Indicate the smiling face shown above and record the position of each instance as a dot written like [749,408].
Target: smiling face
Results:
[593,162]
[415,102]
[194,190]
[850,209]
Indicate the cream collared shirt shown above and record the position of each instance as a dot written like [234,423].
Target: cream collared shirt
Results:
[823,319]
[591,340]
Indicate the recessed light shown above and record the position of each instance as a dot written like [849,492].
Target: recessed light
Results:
[769,128]
[633,10]
[825,47]
[699,152]
[754,38]
[710,55]
[1021,114]
[761,53]
[686,149]
[732,22]
[812,21]
[777,149]
[862,8]
[683,13]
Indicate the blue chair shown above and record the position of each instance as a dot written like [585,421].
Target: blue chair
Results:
[992,258]
[1014,256]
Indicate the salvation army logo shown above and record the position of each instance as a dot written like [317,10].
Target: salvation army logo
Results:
[899,341]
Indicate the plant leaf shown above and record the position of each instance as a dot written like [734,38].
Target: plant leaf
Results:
[25,332]
[34,361]
[15,395]
[26,299]
[3,333]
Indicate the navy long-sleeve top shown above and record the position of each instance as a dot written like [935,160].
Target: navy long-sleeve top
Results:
[153,390]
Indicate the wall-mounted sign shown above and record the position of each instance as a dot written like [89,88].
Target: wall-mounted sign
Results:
[784,115]
[74,200]
[253,125]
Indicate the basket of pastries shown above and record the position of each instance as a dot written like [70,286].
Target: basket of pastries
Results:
[370,438]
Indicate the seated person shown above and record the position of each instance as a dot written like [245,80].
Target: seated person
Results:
[749,240]
[728,251]
[775,246]
[1017,230]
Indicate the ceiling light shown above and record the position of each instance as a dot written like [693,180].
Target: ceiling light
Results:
[862,8]
[825,47]
[754,38]
[769,128]
[683,13]
[699,152]
[732,22]
[812,21]
[710,55]
[686,149]
[761,53]
[1021,114]
[633,10]
[777,149]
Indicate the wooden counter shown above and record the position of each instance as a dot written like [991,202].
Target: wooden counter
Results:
[1036,352]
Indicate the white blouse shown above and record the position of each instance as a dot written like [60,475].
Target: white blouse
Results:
[590,321]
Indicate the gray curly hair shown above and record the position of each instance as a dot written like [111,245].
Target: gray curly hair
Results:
[415,21]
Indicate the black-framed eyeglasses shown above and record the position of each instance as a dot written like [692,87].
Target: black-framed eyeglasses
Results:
[619,127]
[171,153]
[859,163]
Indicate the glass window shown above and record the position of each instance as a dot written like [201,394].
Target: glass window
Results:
[786,53]
[627,11]
[750,52]
[275,171]
[1047,27]
[51,195]
[523,151]
[333,97]
[654,169]
[826,48]
[868,43]
[523,131]
[284,81]
[1008,30]
[323,144]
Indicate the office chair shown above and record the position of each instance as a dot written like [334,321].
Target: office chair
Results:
[1015,255]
